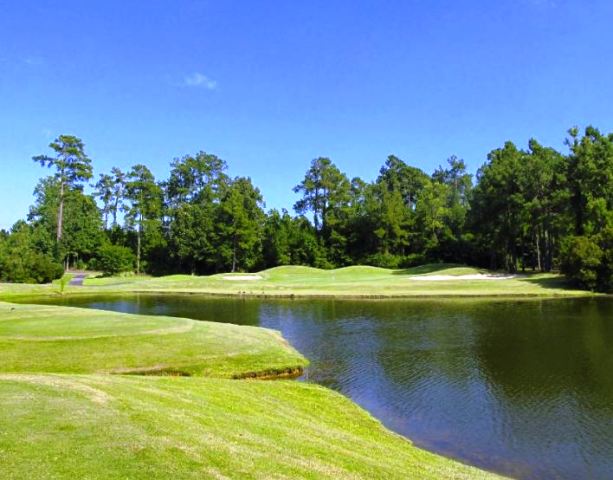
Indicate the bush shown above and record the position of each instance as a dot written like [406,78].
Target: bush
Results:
[384,260]
[389,260]
[114,259]
[581,260]
[29,267]
[45,269]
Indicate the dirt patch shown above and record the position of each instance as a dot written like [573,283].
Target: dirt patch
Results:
[290,372]
[155,371]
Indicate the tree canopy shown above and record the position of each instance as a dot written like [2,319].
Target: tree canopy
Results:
[532,209]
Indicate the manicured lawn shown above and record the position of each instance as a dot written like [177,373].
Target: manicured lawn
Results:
[349,282]
[356,281]
[71,340]
[64,416]
[116,427]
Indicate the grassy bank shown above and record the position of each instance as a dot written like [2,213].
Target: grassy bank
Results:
[101,426]
[134,427]
[344,282]
[71,340]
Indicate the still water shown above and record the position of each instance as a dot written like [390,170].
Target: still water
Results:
[524,388]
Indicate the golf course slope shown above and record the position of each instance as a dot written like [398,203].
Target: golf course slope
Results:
[349,282]
[107,427]
[68,410]
[431,280]
[37,338]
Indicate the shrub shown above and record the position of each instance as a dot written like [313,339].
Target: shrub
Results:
[581,259]
[114,259]
[384,260]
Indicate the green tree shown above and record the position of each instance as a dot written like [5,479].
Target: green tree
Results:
[545,196]
[497,206]
[194,192]
[459,183]
[104,191]
[324,189]
[114,259]
[276,246]
[432,214]
[326,193]
[192,178]
[83,233]
[396,175]
[110,189]
[239,225]
[393,221]
[72,167]
[144,211]
[21,259]
[581,258]
[590,180]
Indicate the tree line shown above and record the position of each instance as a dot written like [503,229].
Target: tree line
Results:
[532,209]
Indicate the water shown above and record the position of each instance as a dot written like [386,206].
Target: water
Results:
[524,388]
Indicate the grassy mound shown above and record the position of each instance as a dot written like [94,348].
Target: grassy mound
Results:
[117,427]
[59,339]
[355,281]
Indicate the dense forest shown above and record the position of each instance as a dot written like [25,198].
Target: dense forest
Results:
[527,210]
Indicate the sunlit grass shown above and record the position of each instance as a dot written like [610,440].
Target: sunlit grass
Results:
[58,422]
[58,339]
[117,427]
[356,281]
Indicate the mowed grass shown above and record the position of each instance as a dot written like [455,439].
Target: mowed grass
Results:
[64,415]
[356,281]
[118,427]
[72,340]
[349,282]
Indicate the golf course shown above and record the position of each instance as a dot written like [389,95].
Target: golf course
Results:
[431,280]
[96,394]
[91,394]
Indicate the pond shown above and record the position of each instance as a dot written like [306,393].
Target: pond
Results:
[520,387]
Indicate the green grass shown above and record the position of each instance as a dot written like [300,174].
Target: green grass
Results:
[63,416]
[71,340]
[357,281]
[116,427]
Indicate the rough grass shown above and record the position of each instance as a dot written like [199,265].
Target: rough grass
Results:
[72,340]
[117,427]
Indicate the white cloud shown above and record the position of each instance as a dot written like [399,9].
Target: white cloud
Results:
[199,80]
[33,61]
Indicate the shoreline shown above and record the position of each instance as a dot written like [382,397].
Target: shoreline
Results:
[59,377]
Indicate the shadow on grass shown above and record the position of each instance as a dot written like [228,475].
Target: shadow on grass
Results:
[427,268]
[554,283]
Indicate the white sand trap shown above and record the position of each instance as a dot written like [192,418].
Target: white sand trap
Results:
[242,278]
[472,276]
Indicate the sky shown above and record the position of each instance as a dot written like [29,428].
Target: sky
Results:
[270,85]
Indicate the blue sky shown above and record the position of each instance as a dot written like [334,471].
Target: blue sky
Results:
[269,85]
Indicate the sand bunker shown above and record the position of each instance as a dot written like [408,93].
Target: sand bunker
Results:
[473,276]
[242,278]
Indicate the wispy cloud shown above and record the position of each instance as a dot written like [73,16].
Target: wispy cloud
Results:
[33,61]
[199,80]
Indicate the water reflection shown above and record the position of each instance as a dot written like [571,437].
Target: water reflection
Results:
[520,387]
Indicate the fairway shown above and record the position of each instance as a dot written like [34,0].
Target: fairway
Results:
[65,415]
[112,427]
[71,340]
[448,280]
